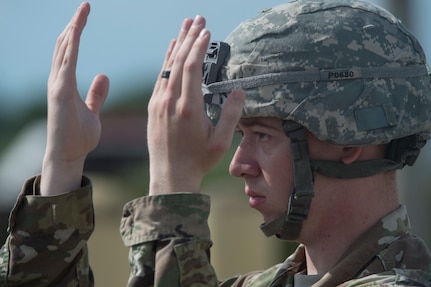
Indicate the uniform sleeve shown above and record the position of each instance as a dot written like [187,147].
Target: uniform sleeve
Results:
[47,243]
[169,240]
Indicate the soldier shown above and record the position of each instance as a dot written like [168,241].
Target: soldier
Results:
[330,97]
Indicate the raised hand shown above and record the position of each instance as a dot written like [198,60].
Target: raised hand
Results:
[73,124]
[183,143]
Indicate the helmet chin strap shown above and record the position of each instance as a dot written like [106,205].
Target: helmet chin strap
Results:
[288,226]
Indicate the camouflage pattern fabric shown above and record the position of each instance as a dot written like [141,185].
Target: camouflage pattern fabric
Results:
[163,231]
[47,245]
[347,70]
[170,246]
[169,242]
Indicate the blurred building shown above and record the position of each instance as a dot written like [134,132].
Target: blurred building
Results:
[21,160]
[122,144]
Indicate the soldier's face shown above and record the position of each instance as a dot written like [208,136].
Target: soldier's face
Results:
[264,161]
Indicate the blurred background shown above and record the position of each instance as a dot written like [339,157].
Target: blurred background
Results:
[127,41]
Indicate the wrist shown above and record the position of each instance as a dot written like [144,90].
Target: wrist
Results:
[60,176]
[162,183]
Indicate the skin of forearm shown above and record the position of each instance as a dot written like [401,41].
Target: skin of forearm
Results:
[60,177]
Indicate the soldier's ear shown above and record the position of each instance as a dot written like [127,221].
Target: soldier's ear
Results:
[350,154]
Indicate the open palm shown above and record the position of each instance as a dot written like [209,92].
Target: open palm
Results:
[73,124]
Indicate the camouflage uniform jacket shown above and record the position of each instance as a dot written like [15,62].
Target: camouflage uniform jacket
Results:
[170,246]
[47,243]
[169,243]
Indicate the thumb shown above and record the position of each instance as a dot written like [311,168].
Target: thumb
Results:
[230,115]
[97,93]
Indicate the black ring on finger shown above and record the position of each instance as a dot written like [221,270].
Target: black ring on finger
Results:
[166,74]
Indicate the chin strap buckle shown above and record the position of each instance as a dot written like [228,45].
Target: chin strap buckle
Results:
[289,226]
[302,193]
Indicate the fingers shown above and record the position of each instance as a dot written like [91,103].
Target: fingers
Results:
[185,27]
[164,67]
[170,54]
[80,20]
[97,93]
[185,57]
[192,77]
[177,54]
[66,50]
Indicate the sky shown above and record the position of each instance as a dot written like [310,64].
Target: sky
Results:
[126,40]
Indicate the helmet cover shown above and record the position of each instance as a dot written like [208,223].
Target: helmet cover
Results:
[347,70]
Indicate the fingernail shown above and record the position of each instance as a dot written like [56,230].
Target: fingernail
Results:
[186,24]
[199,20]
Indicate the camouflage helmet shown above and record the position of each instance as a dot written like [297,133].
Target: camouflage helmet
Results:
[347,70]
